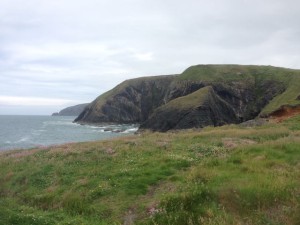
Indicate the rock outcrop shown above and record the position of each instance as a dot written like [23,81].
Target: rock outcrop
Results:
[72,110]
[198,109]
[130,102]
[202,95]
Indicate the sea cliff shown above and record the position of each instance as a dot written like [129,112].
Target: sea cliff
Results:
[203,95]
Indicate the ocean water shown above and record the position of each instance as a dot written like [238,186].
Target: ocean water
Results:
[36,131]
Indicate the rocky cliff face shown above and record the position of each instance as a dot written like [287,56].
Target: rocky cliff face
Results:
[202,95]
[72,110]
[130,102]
[198,109]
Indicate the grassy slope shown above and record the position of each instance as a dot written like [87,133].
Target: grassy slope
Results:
[101,100]
[216,73]
[224,175]
[289,97]
[189,101]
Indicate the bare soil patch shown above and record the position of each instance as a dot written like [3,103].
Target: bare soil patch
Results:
[285,112]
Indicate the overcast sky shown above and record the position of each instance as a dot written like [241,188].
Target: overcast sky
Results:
[59,53]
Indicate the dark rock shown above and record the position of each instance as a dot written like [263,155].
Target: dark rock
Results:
[108,129]
[130,102]
[254,122]
[118,131]
[210,111]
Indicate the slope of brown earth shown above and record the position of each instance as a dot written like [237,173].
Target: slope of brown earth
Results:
[285,112]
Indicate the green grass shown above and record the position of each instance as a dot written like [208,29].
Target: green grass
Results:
[217,73]
[293,123]
[189,101]
[289,97]
[223,175]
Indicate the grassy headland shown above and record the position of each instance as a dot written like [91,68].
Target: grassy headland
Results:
[226,175]
[237,93]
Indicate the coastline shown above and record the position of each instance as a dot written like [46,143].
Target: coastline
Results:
[158,177]
[23,132]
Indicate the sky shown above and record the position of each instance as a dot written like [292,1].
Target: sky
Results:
[60,53]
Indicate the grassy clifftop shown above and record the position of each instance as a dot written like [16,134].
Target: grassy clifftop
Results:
[248,91]
[218,72]
[226,175]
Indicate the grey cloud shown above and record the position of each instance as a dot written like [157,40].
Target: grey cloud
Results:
[79,49]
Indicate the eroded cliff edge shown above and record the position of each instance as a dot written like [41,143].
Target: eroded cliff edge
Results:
[202,95]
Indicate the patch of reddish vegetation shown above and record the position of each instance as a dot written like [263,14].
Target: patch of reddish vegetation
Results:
[22,153]
[285,112]
[234,142]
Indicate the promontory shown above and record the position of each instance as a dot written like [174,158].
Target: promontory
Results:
[203,95]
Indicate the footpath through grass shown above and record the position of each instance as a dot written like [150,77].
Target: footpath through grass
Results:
[225,175]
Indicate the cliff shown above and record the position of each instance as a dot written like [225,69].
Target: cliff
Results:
[202,95]
[130,102]
[72,110]
[201,108]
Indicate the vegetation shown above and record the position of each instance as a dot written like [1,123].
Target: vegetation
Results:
[226,175]
[189,101]
[289,97]
[100,100]
[248,74]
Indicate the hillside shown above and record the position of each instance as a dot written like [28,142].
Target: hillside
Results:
[232,174]
[130,102]
[72,110]
[237,94]
[198,109]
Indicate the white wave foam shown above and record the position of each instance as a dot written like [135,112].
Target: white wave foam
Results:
[98,131]
[131,130]
[23,139]
[95,127]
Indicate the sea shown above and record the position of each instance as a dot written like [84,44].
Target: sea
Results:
[24,132]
